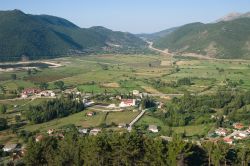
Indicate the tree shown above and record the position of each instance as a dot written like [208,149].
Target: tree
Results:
[59,85]
[29,71]
[244,155]
[3,109]
[43,85]
[3,123]
[17,118]
[20,89]
[217,155]
[224,147]
[178,150]
[208,147]
[13,76]
[2,90]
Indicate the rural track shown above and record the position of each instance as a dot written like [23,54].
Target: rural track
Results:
[150,46]
[136,119]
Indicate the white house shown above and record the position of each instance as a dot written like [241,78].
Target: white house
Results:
[83,131]
[9,147]
[153,128]
[87,103]
[243,134]
[50,131]
[221,131]
[94,131]
[127,103]
[135,92]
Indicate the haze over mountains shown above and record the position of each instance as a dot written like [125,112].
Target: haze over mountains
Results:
[44,36]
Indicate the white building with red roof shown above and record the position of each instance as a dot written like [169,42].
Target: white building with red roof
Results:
[127,103]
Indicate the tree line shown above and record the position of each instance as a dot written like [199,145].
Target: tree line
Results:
[113,148]
[52,109]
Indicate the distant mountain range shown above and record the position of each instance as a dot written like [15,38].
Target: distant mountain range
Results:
[228,37]
[43,36]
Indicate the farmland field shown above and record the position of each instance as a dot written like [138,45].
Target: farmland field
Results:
[120,74]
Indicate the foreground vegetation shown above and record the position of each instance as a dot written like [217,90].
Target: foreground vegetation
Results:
[130,149]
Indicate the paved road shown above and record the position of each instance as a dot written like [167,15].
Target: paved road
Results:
[150,46]
[136,119]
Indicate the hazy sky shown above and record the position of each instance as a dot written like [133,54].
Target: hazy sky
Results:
[134,16]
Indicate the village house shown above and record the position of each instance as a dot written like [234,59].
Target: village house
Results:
[153,128]
[50,131]
[221,131]
[39,138]
[248,130]
[87,103]
[243,134]
[29,91]
[9,147]
[48,93]
[94,131]
[136,92]
[90,113]
[238,126]
[228,140]
[118,97]
[83,131]
[127,103]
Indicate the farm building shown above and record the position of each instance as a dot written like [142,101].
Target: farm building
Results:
[221,131]
[127,103]
[90,113]
[153,128]
[238,126]
[94,131]
[9,147]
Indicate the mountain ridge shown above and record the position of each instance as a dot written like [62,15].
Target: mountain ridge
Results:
[225,39]
[45,36]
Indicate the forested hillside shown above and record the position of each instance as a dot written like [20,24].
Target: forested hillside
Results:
[230,39]
[43,36]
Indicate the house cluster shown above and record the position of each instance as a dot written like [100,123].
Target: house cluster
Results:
[30,92]
[35,91]
[239,132]
[47,93]
[51,133]
[93,131]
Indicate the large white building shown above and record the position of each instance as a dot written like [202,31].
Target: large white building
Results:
[127,103]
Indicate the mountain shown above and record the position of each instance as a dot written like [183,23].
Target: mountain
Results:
[156,35]
[44,36]
[233,16]
[225,39]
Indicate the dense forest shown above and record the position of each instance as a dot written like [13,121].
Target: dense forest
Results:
[112,148]
[52,109]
